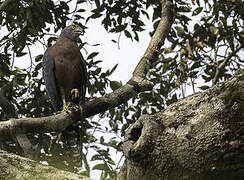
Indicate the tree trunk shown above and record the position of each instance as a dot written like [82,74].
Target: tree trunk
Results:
[19,168]
[199,137]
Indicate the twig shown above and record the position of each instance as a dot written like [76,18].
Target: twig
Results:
[223,64]
[193,85]
[119,40]
[31,62]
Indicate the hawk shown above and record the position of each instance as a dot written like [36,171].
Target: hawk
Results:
[64,70]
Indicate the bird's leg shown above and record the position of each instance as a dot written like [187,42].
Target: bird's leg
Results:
[74,93]
[65,105]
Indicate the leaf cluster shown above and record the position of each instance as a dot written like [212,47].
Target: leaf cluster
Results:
[204,47]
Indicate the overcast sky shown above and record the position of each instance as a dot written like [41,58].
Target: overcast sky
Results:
[127,56]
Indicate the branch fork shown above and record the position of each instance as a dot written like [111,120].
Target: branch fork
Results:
[135,85]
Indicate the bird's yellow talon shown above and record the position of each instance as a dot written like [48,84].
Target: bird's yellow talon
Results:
[65,108]
[65,85]
[74,93]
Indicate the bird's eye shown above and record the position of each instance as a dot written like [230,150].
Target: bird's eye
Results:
[73,27]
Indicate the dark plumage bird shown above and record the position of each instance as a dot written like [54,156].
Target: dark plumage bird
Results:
[64,70]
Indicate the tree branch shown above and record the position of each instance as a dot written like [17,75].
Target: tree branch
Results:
[136,84]
[45,124]
[16,167]
[223,64]
[167,19]
[199,137]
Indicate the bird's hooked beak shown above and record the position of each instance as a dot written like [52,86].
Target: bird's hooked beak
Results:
[78,30]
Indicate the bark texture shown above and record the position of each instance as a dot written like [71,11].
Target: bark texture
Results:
[200,137]
[18,168]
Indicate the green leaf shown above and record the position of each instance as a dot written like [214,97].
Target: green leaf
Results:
[136,37]
[97,62]
[127,34]
[197,11]
[101,139]
[203,87]
[120,28]
[100,167]
[81,10]
[171,75]
[38,66]
[184,9]
[115,85]
[92,55]
[110,161]
[19,53]
[145,13]
[113,69]
[180,30]
[96,15]
[39,58]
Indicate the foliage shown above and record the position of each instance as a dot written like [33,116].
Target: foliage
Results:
[204,46]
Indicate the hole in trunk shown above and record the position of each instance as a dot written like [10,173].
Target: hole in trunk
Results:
[135,133]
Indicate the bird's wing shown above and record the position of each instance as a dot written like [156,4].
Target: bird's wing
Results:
[50,81]
[84,78]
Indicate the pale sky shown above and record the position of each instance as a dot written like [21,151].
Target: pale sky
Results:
[127,56]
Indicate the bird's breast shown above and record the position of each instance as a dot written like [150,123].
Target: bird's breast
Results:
[65,50]
[67,60]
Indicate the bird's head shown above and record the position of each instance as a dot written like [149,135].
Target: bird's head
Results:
[72,32]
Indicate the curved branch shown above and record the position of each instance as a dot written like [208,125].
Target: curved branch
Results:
[136,84]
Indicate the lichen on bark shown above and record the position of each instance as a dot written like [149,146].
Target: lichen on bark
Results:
[19,168]
[199,137]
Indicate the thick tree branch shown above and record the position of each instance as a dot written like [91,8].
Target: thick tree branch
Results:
[16,167]
[167,19]
[136,84]
[57,122]
[199,137]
